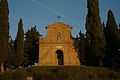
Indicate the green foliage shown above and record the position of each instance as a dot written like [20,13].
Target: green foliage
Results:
[4,24]
[82,43]
[61,73]
[112,34]
[31,46]
[119,30]
[95,35]
[10,61]
[111,23]
[19,45]
[4,30]
[14,75]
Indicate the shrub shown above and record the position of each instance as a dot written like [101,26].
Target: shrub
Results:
[61,73]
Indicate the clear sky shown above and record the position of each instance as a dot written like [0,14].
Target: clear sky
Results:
[44,12]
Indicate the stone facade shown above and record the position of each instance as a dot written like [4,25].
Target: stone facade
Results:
[57,48]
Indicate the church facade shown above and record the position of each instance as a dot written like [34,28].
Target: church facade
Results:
[58,47]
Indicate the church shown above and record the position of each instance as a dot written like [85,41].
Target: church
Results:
[58,48]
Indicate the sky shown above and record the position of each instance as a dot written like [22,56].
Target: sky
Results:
[44,12]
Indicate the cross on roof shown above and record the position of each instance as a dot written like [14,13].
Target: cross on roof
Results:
[58,17]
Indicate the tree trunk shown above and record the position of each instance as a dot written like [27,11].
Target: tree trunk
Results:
[100,62]
[2,67]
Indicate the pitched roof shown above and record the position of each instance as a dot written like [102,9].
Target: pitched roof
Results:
[58,24]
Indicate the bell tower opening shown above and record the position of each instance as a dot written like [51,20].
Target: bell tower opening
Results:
[60,57]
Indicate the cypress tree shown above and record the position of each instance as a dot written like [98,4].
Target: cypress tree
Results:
[95,35]
[82,43]
[10,62]
[19,44]
[111,23]
[4,31]
[113,41]
[112,31]
[119,30]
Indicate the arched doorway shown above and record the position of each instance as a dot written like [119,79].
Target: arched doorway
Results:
[60,57]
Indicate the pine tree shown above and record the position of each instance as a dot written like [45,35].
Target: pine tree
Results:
[19,44]
[95,35]
[31,46]
[4,31]
[113,41]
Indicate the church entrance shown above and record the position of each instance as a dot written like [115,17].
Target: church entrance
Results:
[60,57]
